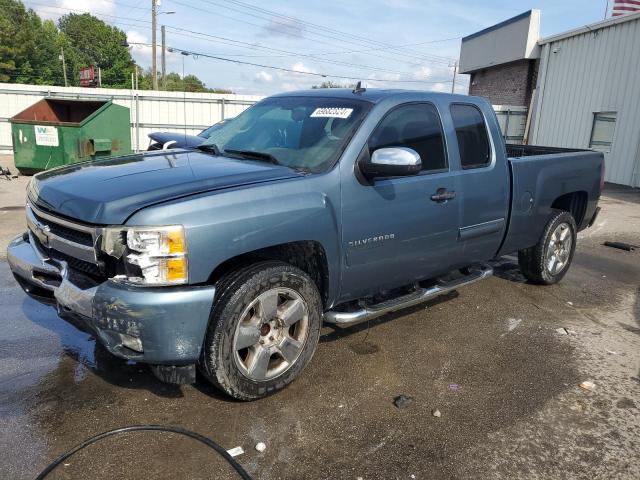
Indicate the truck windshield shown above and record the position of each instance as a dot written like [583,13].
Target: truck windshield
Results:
[305,133]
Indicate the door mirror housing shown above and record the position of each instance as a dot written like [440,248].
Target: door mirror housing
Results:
[391,162]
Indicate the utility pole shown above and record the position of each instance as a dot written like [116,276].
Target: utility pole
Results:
[455,71]
[154,67]
[64,66]
[163,62]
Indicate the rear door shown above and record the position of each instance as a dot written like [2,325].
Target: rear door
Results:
[393,231]
[483,182]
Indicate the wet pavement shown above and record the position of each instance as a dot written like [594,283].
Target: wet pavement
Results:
[489,357]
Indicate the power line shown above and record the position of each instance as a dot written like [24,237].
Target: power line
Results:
[240,43]
[386,48]
[433,59]
[105,14]
[195,55]
[286,19]
[444,60]
[438,58]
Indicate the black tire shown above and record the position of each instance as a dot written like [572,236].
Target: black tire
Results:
[532,260]
[220,362]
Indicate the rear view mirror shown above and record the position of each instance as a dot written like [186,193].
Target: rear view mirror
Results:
[392,162]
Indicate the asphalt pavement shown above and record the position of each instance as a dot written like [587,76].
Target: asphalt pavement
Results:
[501,360]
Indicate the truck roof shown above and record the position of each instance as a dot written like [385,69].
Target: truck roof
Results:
[372,95]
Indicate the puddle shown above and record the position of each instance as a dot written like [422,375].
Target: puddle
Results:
[364,348]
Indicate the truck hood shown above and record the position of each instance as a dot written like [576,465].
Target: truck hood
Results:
[108,191]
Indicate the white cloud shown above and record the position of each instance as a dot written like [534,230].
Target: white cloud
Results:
[422,73]
[59,8]
[89,6]
[441,87]
[263,77]
[302,68]
[296,80]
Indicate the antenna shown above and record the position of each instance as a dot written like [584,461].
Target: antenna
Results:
[359,88]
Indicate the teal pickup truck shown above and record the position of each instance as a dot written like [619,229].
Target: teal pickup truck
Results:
[332,206]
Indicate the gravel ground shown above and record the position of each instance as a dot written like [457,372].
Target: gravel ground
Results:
[502,361]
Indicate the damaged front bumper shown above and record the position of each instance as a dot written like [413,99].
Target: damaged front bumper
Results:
[162,326]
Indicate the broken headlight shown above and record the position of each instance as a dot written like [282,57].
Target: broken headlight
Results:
[151,256]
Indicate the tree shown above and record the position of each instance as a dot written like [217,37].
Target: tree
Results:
[28,47]
[90,41]
[175,83]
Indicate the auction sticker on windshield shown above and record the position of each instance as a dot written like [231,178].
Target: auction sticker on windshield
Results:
[333,112]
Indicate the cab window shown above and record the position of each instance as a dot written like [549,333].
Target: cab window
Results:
[416,126]
[471,132]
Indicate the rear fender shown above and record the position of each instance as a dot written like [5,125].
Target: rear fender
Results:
[538,182]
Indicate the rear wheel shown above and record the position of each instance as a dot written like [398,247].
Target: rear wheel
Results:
[548,261]
[264,329]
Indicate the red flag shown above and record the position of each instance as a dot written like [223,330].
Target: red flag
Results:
[622,7]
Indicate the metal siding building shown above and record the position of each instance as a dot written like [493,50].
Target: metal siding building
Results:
[595,69]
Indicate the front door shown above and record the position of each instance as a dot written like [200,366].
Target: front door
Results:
[394,232]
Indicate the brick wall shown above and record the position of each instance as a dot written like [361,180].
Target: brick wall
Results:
[508,84]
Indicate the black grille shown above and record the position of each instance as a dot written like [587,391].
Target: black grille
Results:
[75,264]
[77,236]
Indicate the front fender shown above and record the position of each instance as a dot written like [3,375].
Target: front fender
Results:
[225,224]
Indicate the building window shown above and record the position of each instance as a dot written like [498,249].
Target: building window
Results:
[604,124]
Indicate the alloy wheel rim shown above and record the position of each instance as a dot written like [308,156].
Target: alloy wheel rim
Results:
[559,249]
[271,334]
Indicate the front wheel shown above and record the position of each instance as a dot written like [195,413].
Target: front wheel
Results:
[263,331]
[548,261]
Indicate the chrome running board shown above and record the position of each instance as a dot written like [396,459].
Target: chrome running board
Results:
[368,312]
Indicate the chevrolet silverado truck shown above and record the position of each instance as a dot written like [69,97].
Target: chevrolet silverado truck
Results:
[333,206]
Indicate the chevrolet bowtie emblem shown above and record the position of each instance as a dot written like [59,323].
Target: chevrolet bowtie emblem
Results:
[43,231]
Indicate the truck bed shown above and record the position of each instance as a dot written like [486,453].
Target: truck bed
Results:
[540,177]
[516,151]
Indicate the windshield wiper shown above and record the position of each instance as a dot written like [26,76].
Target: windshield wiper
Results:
[209,147]
[253,155]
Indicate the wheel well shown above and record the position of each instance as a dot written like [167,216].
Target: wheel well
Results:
[309,256]
[575,203]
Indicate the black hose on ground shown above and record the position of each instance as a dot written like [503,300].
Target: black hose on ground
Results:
[154,428]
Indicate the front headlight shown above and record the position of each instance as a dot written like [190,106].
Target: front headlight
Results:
[150,255]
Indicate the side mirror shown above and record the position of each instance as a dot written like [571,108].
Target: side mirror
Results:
[392,162]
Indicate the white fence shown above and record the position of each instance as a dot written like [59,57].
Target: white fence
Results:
[153,111]
[150,111]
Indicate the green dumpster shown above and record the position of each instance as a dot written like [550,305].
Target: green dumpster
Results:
[54,132]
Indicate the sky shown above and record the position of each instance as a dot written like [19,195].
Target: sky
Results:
[385,43]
